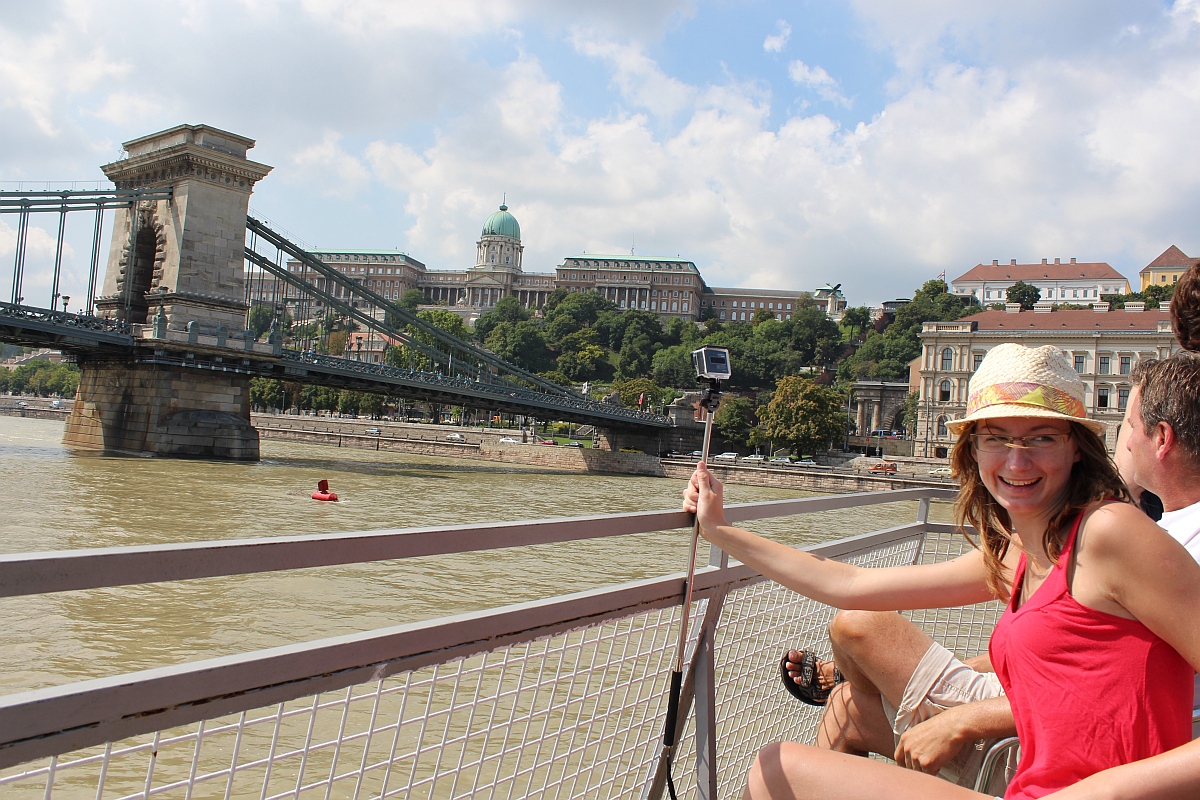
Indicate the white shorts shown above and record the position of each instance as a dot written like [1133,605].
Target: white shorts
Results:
[941,681]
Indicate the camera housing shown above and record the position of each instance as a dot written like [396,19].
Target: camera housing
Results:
[712,363]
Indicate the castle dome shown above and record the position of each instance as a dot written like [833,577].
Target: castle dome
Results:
[502,223]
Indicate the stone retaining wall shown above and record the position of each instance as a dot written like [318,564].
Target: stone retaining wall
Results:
[798,478]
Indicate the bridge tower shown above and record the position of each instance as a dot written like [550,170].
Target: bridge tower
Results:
[178,261]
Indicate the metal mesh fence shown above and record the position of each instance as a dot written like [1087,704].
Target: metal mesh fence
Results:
[572,715]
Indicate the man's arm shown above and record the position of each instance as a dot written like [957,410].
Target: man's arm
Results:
[928,746]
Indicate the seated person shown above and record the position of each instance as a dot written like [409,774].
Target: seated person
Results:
[1100,607]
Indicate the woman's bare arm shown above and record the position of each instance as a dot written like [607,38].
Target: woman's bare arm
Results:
[951,583]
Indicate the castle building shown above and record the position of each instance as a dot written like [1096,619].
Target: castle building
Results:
[669,287]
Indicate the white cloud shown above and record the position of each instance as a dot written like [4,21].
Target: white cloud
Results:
[638,77]
[817,79]
[329,169]
[775,42]
[1020,150]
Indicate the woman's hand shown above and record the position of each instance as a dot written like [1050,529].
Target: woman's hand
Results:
[704,497]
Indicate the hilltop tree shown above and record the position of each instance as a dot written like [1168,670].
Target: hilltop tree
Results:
[856,319]
[411,299]
[1024,293]
[805,416]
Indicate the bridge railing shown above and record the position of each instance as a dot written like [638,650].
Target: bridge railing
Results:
[562,697]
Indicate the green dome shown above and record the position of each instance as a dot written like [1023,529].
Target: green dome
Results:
[502,223]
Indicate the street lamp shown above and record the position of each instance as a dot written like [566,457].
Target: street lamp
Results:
[66,300]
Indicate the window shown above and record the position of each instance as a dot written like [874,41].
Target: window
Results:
[1102,398]
[722,305]
[789,306]
[944,392]
[947,359]
[941,427]
[1104,361]
[1079,364]
[1122,398]
[685,306]
[1124,366]
[654,305]
[722,315]
[977,359]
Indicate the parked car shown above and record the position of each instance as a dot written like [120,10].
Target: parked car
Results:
[573,444]
[780,460]
[754,459]
[883,466]
[373,432]
[941,472]
[696,454]
[805,462]
[455,437]
[726,457]
[22,404]
[57,404]
[509,440]
[550,442]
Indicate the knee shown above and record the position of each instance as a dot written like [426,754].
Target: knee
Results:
[850,627]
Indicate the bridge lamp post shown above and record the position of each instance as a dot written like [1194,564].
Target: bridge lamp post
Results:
[66,298]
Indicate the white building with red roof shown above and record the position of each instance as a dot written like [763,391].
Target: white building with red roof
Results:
[1103,345]
[1072,282]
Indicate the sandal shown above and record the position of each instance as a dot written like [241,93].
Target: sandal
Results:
[808,689]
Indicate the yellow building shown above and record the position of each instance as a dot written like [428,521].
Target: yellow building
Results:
[1166,269]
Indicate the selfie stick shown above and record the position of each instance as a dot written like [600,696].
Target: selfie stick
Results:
[708,401]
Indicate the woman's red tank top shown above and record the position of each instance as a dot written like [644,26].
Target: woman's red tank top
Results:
[1088,690]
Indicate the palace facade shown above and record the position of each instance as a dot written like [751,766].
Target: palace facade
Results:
[669,287]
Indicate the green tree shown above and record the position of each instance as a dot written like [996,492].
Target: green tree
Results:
[805,416]
[507,309]
[637,356]
[411,299]
[856,319]
[582,364]
[370,404]
[1024,293]
[633,389]
[521,343]
[762,315]
[673,367]
[908,414]
[348,402]
[735,419]
[267,393]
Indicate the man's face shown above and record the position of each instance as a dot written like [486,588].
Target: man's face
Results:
[1143,459]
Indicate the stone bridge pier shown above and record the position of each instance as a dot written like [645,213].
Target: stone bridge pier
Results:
[176,268]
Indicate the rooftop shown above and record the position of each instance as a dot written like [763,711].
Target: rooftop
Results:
[786,293]
[1171,258]
[1092,270]
[1070,320]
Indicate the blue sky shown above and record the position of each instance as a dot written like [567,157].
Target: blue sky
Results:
[783,145]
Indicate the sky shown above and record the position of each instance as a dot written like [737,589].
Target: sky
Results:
[778,145]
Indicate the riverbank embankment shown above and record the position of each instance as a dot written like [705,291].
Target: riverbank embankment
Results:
[484,444]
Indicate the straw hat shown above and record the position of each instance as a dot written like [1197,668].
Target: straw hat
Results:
[1018,381]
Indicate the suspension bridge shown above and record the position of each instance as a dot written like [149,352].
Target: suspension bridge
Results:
[169,339]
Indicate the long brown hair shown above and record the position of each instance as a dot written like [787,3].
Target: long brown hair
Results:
[1094,477]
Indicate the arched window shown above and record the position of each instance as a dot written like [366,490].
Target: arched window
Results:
[944,392]
[947,359]
[941,427]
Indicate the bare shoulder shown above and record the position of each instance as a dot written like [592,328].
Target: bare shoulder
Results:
[1118,530]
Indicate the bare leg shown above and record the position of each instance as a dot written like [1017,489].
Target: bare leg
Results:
[854,723]
[789,771]
[873,650]
[877,651]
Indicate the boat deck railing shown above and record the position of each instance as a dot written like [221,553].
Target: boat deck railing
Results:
[558,698]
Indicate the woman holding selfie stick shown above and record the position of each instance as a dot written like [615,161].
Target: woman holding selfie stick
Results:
[1101,634]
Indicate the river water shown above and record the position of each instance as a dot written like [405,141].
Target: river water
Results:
[54,500]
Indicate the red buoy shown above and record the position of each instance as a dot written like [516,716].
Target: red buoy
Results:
[323,493]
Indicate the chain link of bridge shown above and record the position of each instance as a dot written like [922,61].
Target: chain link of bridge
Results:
[198,298]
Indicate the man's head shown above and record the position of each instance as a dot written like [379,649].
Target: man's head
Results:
[1163,439]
